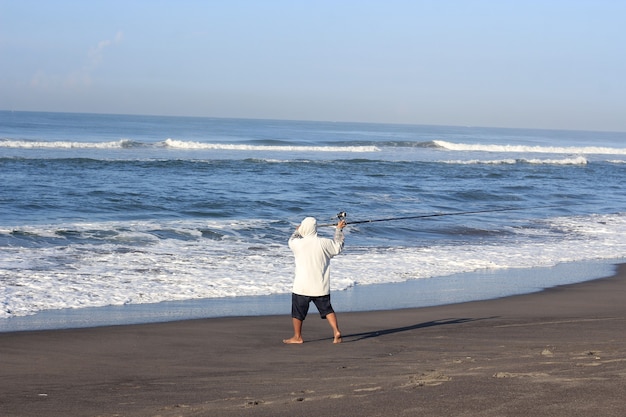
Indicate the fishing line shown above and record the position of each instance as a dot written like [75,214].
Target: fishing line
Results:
[342,215]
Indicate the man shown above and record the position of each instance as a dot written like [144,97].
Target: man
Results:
[312,277]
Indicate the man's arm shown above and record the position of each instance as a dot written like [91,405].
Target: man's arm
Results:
[296,234]
[339,236]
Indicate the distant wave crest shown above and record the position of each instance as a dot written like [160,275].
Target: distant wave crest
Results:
[529,149]
[579,160]
[29,144]
[179,144]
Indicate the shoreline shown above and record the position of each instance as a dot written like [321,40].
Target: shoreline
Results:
[557,352]
[438,291]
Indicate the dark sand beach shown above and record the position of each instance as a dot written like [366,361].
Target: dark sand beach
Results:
[559,352]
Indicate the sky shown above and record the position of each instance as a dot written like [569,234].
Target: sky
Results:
[552,64]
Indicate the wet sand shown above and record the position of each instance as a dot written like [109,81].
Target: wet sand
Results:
[560,352]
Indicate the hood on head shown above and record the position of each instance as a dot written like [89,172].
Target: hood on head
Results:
[308,227]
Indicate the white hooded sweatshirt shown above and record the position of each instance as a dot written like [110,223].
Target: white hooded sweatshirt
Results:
[312,257]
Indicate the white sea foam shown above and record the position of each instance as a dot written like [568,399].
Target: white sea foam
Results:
[583,150]
[194,145]
[27,144]
[580,160]
[134,264]
[179,144]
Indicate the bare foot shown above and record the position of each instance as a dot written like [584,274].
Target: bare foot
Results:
[293,340]
[337,338]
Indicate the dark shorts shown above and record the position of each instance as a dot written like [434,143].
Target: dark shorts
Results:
[300,305]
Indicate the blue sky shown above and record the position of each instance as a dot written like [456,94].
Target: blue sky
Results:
[557,64]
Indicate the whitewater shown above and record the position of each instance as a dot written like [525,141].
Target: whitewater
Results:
[115,210]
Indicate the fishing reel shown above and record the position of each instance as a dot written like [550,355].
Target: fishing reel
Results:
[341,216]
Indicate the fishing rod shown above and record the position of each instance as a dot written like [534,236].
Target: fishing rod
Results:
[342,215]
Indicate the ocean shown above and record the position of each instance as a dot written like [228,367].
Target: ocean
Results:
[123,211]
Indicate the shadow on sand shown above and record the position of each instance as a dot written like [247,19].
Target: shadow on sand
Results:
[355,337]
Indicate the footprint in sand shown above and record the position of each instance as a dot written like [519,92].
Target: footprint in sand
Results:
[430,379]
[520,375]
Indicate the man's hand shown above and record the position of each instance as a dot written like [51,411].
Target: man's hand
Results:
[341,224]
